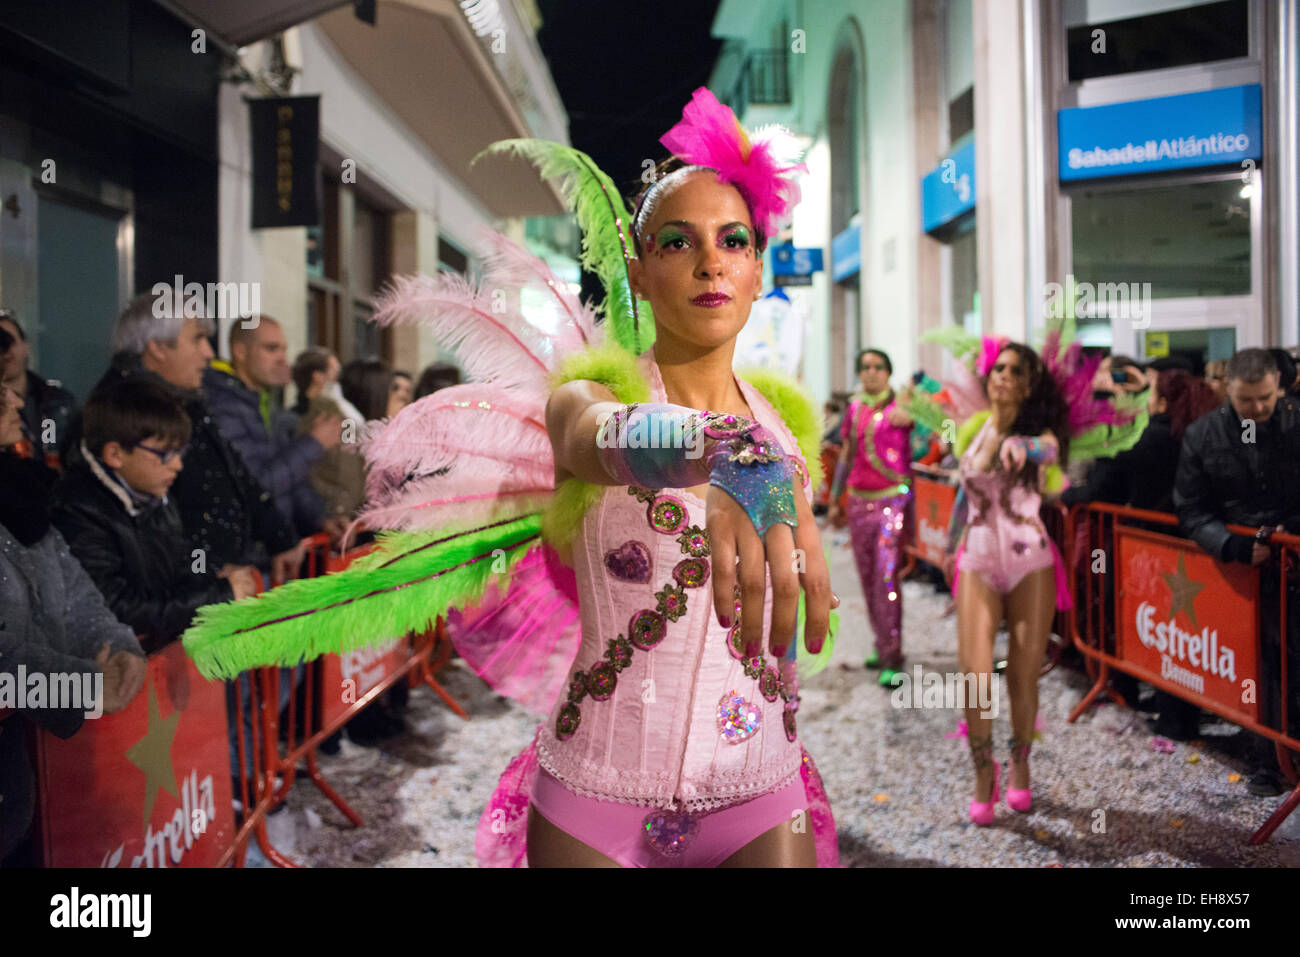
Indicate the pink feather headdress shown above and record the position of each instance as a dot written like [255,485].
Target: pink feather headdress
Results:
[990,348]
[761,165]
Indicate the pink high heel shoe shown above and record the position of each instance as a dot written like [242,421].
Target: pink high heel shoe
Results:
[981,812]
[1019,799]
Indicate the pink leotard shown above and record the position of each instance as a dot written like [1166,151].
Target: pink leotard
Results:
[1005,539]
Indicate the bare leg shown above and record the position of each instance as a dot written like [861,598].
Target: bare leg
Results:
[779,847]
[548,846]
[1030,608]
[979,612]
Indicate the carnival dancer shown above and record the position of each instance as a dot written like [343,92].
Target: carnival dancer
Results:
[875,463]
[1021,417]
[652,506]
[1007,565]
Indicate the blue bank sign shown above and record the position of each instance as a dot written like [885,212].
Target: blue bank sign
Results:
[1169,132]
[948,190]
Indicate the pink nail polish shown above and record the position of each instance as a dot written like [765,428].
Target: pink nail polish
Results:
[724,621]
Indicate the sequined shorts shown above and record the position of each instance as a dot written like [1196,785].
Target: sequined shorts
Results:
[616,830]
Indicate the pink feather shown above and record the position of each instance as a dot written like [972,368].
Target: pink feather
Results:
[761,166]
[966,392]
[490,345]
[990,347]
[511,267]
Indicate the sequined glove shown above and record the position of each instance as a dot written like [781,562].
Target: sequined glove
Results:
[749,465]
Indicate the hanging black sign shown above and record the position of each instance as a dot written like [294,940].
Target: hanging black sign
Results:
[286,172]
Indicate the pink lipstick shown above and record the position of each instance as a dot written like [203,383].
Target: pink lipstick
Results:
[711,299]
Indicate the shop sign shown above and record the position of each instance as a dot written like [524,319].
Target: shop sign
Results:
[1210,128]
[1188,619]
[285,134]
[948,190]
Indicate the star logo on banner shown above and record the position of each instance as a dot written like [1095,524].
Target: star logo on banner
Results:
[1183,591]
[152,754]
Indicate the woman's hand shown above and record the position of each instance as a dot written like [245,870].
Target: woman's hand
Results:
[898,418]
[793,557]
[836,515]
[1012,454]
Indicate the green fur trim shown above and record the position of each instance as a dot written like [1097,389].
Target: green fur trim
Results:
[384,595]
[612,366]
[795,408]
[1054,481]
[967,430]
[615,368]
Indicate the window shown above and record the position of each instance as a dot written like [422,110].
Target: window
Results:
[1196,33]
[1187,239]
[959,73]
[348,260]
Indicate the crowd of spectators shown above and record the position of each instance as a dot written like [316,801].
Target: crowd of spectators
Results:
[182,481]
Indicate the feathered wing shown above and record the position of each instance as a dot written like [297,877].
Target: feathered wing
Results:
[606,231]
[460,479]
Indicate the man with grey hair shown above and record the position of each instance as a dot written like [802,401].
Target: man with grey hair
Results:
[225,512]
[1238,466]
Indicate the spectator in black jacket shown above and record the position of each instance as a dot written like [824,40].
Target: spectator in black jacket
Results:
[47,409]
[1239,466]
[113,511]
[52,621]
[224,510]
[1143,476]
[239,393]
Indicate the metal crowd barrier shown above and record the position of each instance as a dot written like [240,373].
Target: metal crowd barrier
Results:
[1157,607]
[416,658]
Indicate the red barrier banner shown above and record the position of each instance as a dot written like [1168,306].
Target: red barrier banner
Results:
[346,678]
[148,786]
[934,504]
[1190,619]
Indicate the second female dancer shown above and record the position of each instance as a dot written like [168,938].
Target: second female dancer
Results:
[875,465]
[1007,565]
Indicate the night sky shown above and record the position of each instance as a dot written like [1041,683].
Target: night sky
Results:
[625,70]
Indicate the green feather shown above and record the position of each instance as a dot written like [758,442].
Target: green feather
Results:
[1105,441]
[925,412]
[403,586]
[606,231]
[955,339]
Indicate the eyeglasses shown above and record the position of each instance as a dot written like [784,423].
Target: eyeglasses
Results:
[165,456]
[872,368]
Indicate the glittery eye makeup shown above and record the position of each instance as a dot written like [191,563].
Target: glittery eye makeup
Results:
[668,235]
[734,237]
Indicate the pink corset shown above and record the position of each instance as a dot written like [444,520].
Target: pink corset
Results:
[660,708]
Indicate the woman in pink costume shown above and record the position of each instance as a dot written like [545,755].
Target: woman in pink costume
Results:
[1007,565]
[875,461]
[698,724]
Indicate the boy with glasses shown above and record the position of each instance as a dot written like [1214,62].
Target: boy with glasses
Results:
[114,511]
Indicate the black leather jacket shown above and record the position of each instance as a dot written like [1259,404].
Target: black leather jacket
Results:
[1223,479]
[142,564]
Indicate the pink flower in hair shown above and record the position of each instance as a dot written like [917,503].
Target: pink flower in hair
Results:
[990,348]
[760,166]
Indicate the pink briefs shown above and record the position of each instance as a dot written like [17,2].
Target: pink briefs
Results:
[615,830]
